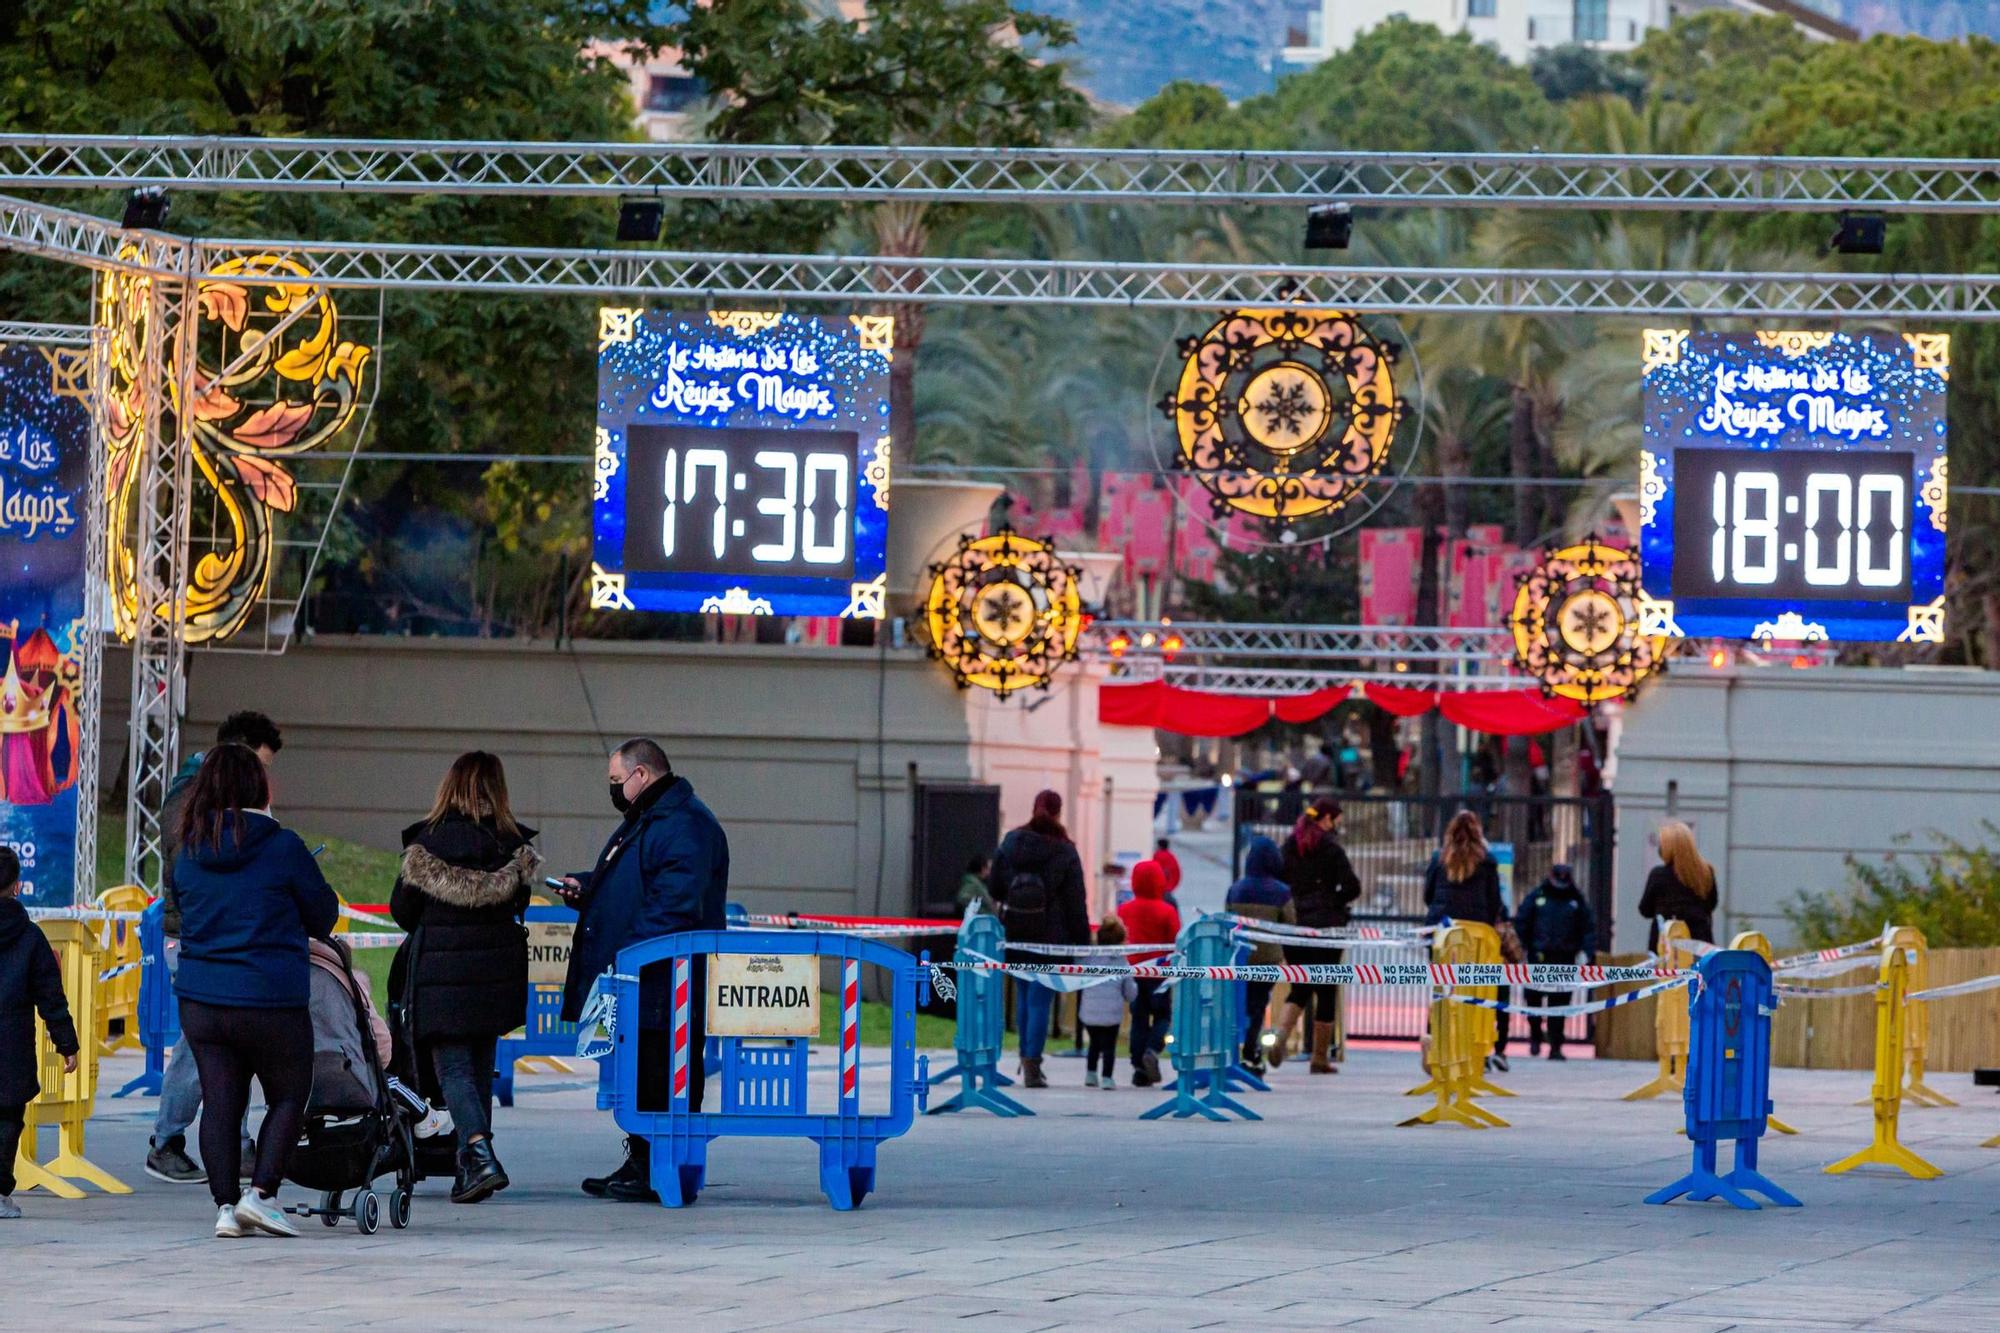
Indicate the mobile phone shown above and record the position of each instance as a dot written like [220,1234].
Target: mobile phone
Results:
[317,850]
[560,886]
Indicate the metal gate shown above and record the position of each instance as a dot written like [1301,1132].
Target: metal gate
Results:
[1390,840]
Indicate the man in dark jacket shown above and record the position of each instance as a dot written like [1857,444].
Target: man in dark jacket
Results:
[1037,878]
[665,869]
[30,981]
[180,1085]
[1555,925]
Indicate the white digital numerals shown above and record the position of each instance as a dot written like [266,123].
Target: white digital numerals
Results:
[1865,545]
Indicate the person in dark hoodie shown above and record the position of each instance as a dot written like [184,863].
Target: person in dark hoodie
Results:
[30,982]
[465,878]
[1150,918]
[1324,887]
[180,1085]
[1037,878]
[251,896]
[1555,925]
[1261,896]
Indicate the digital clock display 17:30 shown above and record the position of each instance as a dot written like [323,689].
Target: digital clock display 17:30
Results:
[739,501]
[1792,524]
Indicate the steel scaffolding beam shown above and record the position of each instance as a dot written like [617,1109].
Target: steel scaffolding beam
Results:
[964,175]
[1295,659]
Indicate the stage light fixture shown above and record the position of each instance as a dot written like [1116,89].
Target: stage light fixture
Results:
[1329,227]
[1860,234]
[639,219]
[146,209]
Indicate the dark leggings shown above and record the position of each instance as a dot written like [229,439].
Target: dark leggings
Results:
[1256,1004]
[231,1046]
[11,1118]
[1103,1057]
[1319,1002]
[464,1068]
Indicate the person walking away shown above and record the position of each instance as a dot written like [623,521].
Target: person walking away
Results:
[1261,896]
[1037,878]
[1555,925]
[250,896]
[1149,919]
[663,870]
[464,881]
[180,1084]
[1462,883]
[1681,887]
[972,886]
[1170,866]
[1324,889]
[30,983]
[1101,1010]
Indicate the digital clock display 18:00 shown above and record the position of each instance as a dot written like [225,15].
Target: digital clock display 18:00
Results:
[1792,524]
[740,501]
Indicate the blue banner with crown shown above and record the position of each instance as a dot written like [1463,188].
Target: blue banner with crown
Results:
[44,498]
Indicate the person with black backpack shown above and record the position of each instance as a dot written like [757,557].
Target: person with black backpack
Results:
[1037,878]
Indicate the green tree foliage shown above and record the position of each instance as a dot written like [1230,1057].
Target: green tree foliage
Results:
[1952,896]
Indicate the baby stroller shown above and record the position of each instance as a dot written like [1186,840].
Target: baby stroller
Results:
[356,1130]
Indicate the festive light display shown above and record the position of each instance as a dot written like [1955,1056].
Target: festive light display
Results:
[1579,624]
[1003,612]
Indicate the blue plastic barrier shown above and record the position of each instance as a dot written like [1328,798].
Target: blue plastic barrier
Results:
[982,1025]
[545,1036]
[159,1013]
[1207,1019]
[1728,1092]
[764,1080]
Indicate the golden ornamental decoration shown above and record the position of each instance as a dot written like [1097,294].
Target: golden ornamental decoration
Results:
[1577,624]
[1284,414]
[1003,612]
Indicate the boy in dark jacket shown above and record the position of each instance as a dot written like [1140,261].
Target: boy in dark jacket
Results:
[1555,925]
[30,981]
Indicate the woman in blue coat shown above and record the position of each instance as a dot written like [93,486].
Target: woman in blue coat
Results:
[250,895]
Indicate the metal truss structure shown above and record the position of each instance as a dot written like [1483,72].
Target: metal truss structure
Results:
[1295,659]
[1020,175]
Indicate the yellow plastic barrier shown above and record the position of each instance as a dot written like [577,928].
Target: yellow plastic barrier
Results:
[67,1100]
[1485,1024]
[1670,1021]
[1460,1037]
[1917,1019]
[1891,1012]
[1760,944]
[118,998]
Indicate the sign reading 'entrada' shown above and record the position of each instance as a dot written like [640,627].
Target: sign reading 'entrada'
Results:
[763,995]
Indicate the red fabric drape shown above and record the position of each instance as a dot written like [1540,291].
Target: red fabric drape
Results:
[1312,707]
[1510,712]
[1198,713]
[1130,705]
[1400,700]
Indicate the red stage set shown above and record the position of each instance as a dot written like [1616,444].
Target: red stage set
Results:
[1188,712]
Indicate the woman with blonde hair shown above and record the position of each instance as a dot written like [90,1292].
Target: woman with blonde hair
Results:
[1682,886]
[466,873]
[1462,883]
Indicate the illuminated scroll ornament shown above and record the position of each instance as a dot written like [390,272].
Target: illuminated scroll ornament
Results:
[1577,624]
[1003,612]
[1284,414]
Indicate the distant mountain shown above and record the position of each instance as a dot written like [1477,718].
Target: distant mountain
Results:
[1940,19]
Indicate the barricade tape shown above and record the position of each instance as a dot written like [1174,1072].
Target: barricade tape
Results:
[1560,976]
[1582,1006]
[853,925]
[1825,992]
[118,971]
[1840,967]
[1801,960]
[1957,988]
[1350,934]
[372,913]
[1089,950]
[1261,935]
[373,939]
[79,914]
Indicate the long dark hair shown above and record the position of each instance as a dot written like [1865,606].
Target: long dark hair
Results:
[231,780]
[1307,835]
[476,787]
[1047,818]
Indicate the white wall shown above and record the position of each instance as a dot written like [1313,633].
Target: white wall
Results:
[1784,773]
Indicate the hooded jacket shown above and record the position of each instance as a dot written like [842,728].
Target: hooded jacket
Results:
[30,982]
[1324,885]
[1555,923]
[460,892]
[1149,918]
[1027,851]
[1262,896]
[248,903]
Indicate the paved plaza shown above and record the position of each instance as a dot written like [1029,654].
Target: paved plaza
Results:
[1323,1215]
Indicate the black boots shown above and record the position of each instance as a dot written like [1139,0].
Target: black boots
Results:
[1031,1072]
[479,1173]
[632,1182]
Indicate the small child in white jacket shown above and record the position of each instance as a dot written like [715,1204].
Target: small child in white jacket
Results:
[1101,1009]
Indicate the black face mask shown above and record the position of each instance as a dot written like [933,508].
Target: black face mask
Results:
[619,799]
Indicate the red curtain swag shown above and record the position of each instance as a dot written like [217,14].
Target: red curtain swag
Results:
[1156,704]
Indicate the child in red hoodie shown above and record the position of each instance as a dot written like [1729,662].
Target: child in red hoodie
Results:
[1149,919]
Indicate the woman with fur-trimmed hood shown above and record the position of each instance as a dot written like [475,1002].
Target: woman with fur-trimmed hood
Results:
[465,878]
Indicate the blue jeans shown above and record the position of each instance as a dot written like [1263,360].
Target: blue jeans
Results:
[1032,1018]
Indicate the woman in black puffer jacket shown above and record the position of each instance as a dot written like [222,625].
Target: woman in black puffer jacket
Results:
[465,878]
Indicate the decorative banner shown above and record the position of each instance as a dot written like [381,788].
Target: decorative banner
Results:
[742,463]
[1003,613]
[44,498]
[1577,623]
[1793,485]
[1284,414]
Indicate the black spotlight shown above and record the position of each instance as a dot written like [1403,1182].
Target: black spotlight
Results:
[1329,226]
[639,219]
[146,209]
[1860,234]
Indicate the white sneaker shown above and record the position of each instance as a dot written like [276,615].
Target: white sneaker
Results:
[9,1211]
[226,1225]
[1108,1083]
[257,1213]
[1090,1079]
[436,1123]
